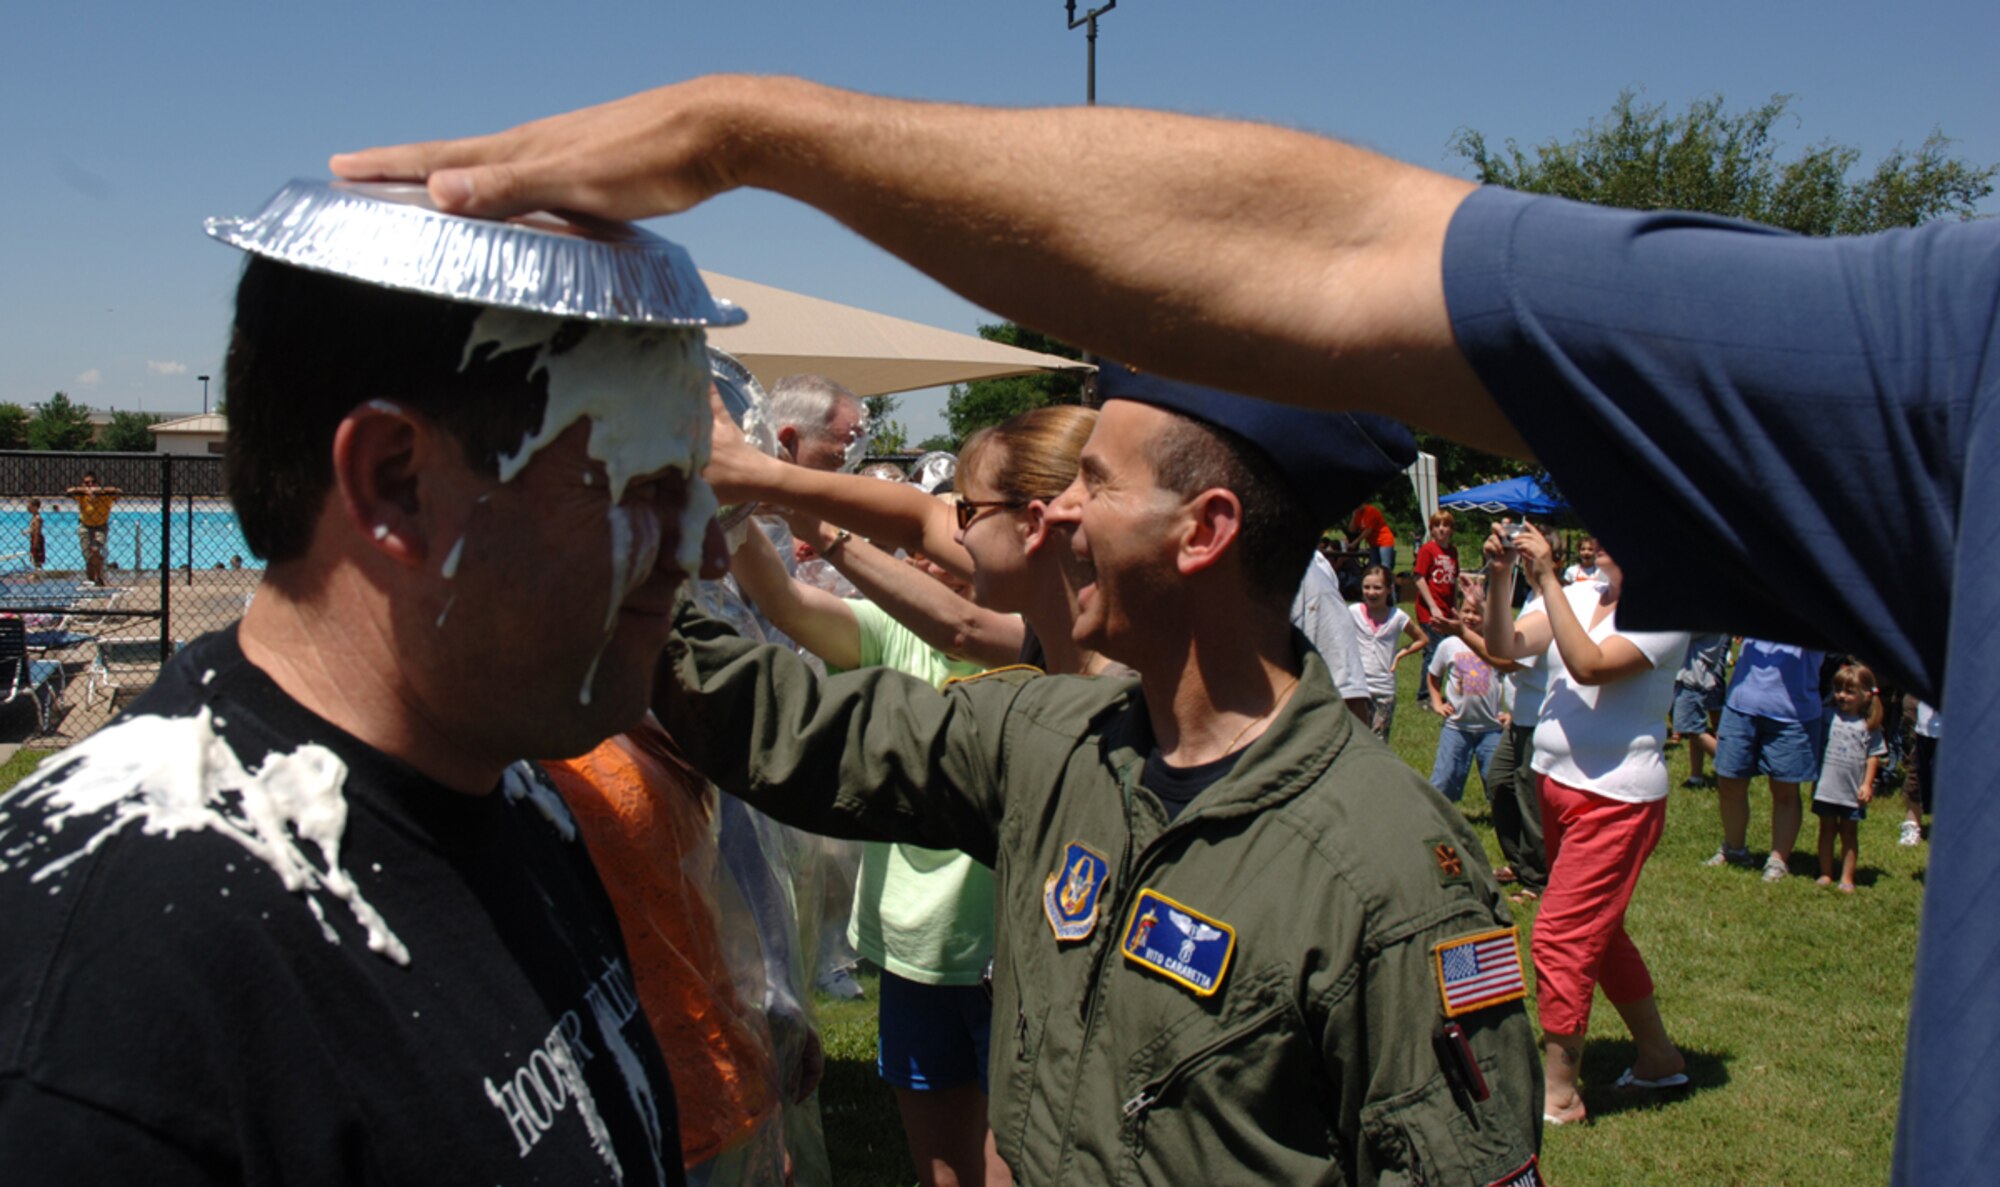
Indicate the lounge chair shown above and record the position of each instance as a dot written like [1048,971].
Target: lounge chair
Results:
[121,657]
[40,681]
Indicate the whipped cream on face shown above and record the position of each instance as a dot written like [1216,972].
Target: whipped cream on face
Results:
[645,392]
[170,775]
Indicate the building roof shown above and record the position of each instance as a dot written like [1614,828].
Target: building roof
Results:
[208,422]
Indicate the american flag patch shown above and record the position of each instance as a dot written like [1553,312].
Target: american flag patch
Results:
[1479,971]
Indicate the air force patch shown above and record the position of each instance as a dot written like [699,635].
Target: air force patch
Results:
[1069,898]
[1178,942]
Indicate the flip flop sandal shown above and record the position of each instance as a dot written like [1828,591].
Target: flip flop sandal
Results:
[1627,1080]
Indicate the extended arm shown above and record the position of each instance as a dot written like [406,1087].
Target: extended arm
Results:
[818,621]
[938,616]
[899,516]
[1191,246]
[870,755]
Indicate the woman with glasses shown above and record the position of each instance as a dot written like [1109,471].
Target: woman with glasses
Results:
[994,534]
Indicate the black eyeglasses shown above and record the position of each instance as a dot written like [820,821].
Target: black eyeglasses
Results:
[969,509]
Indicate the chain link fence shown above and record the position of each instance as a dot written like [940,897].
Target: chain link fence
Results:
[175,567]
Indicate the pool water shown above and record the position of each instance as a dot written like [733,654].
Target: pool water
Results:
[209,533]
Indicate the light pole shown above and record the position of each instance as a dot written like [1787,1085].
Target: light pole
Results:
[204,393]
[1089,21]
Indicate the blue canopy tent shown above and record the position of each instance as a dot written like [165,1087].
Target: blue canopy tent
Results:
[1521,496]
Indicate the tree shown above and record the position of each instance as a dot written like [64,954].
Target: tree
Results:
[884,435]
[1717,162]
[973,406]
[127,433]
[60,425]
[13,426]
[941,442]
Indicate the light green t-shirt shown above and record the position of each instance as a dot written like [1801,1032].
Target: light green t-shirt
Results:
[925,915]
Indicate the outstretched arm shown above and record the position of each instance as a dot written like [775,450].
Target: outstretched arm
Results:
[899,516]
[820,622]
[1245,256]
[938,616]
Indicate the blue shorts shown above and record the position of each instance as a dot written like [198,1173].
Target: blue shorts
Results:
[1692,707]
[1747,746]
[932,1037]
[1840,811]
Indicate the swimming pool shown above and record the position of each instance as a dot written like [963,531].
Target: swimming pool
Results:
[207,532]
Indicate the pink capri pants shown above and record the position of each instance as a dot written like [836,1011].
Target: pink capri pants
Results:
[1596,846]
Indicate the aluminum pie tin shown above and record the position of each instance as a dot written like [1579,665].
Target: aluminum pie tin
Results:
[564,265]
[750,407]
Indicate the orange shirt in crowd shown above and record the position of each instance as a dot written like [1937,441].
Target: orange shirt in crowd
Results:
[1373,530]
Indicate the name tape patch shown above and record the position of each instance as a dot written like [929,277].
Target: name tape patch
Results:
[1177,942]
[1478,971]
[1530,1175]
[1070,896]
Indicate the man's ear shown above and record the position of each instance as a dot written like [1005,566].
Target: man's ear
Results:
[385,460]
[1214,524]
[788,440]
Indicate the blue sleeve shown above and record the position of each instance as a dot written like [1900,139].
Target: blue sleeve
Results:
[1770,432]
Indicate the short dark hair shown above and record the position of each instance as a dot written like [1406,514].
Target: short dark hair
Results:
[307,348]
[1277,540]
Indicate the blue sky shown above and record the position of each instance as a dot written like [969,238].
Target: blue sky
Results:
[126,124]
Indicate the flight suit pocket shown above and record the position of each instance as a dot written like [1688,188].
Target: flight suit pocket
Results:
[1427,1136]
[1019,1030]
[1183,1107]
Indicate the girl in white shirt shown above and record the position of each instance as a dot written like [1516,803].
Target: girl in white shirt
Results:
[1378,623]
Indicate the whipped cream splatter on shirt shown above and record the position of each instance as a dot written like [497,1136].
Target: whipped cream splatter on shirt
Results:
[170,775]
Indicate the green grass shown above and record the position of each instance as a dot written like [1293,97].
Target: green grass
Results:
[20,766]
[1789,1000]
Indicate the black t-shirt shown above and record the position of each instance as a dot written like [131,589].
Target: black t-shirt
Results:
[1177,787]
[171,1013]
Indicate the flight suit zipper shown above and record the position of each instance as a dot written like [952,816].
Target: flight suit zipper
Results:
[1134,1110]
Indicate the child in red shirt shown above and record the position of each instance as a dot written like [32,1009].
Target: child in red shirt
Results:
[1436,571]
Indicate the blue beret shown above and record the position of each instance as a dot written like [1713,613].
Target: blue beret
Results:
[1332,460]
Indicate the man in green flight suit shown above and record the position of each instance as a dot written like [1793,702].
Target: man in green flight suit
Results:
[1238,939]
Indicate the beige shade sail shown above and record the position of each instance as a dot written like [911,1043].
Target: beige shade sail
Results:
[873,354]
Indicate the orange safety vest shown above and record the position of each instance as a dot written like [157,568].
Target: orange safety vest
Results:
[645,814]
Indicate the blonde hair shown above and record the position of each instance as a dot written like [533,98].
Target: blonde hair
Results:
[1033,455]
[1859,677]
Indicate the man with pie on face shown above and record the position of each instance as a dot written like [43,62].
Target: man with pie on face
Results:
[303,914]
[1237,939]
